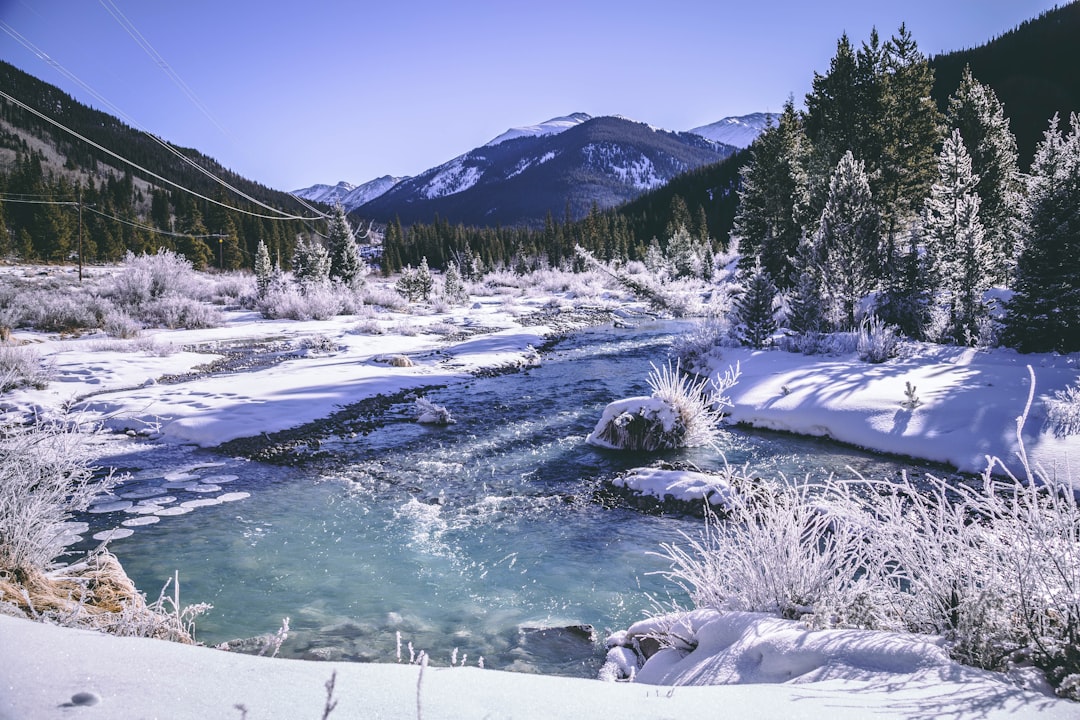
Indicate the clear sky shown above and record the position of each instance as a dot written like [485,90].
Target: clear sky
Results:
[292,94]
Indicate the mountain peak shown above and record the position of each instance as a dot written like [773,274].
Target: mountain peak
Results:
[739,130]
[548,127]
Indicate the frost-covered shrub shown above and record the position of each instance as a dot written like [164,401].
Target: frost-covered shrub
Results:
[146,277]
[681,412]
[877,342]
[177,311]
[993,567]
[118,324]
[318,345]
[52,311]
[21,366]
[314,301]
[234,286]
[694,348]
[1063,411]
[779,549]
[384,297]
[44,478]
[367,327]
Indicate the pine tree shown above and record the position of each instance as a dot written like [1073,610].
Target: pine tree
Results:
[1044,314]
[453,285]
[975,111]
[754,309]
[911,131]
[345,263]
[958,257]
[804,301]
[774,196]
[263,269]
[847,243]
[311,262]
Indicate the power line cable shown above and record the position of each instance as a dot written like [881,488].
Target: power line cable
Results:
[160,61]
[152,174]
[42,55]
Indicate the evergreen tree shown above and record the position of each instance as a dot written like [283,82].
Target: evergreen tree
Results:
[975,111]
[311,262]
[847,243]
[754,309]
[263,269]
[804,301]
[774,196]
[345,263]
[958,257]
[1044,314]
[453,285]
[910,133]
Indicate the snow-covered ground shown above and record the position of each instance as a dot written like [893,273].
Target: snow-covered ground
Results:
[969,402]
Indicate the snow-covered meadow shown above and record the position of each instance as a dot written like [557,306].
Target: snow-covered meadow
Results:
[961,407]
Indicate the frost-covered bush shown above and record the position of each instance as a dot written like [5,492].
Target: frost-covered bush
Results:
[384,297]
[146,277]
[44,478]
[1063,411]
[694,348]
[21,366]
[815,343]
[313,301]
[877,342]
[177,311]
[779,549]
[681,412]
[118,324]
[993,567]
[58,310]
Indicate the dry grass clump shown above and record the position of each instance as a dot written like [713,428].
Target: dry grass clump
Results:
[45,476]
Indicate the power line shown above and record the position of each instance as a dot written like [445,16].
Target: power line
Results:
[42,55]
[283,216]
[149,49]
[124,221]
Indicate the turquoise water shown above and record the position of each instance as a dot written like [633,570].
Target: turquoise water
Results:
[483,538]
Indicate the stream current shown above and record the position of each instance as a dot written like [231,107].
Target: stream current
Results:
[482,538]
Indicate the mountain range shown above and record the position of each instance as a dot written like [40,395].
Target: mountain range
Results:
[564,165]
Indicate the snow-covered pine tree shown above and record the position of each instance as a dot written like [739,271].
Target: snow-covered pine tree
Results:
[1044,313]
[453,285]
[755,309]
[263,269]
[346,266]
[847,243]
[804,313]
[311,262]
[975,111]
[774,195]
[958,256]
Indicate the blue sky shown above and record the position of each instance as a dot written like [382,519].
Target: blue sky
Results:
[300,93]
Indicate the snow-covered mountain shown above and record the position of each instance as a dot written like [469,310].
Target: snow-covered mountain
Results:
[527,172]
[350,196]
[739,131]
[553,126]
[328,194]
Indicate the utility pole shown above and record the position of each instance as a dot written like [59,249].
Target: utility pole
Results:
[80,233]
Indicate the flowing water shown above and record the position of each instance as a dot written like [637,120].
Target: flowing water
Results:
[483,538]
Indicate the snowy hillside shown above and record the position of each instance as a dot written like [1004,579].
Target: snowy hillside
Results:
[548,127]
[738,131]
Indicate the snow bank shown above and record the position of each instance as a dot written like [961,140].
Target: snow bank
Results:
[969,402]
[51,672]
[683,485]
